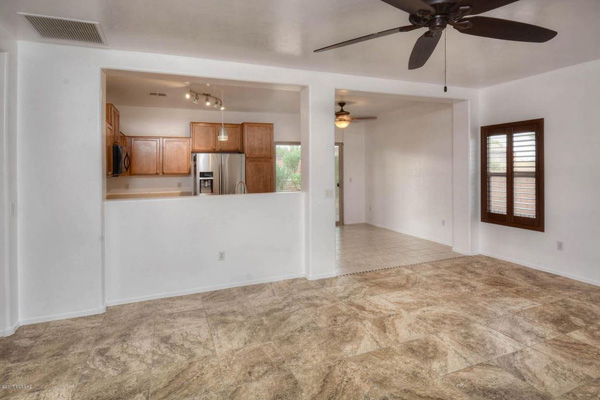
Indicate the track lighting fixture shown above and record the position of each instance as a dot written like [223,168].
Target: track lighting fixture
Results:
[209,99]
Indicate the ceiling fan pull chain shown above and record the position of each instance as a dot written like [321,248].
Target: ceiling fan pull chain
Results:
[446,61]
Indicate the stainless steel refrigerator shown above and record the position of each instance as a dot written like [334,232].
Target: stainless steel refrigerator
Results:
[215,173]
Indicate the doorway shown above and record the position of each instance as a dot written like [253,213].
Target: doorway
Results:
[339,183]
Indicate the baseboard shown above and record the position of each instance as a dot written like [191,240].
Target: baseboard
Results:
[464,252]
[201,290]
[56,317]
[409,234]
[544,269]
[10,331]
[321,276]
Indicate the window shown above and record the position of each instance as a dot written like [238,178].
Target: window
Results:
[512,174]
[287,167]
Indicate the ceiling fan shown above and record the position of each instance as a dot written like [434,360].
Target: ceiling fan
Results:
[343,118]
[436,15]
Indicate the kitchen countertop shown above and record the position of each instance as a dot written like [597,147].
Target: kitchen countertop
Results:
[145,195]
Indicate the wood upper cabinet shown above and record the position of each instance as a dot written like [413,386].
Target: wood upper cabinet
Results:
[109,140]
[260,175]
[204,137]
[233,144]
[145,156]
[176,156]
[258,140]
[112,134]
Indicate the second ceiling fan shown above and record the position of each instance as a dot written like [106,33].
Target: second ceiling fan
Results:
[436,15]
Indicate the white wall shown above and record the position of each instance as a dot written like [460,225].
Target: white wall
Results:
[409,171]
[353,138]
[9,310]
[176,250]
[569,101]
[60,212]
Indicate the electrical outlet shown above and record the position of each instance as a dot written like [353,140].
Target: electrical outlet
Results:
[127,186]
[13,209]
[370,209]
[221,256]
[350,179]
[179,184]
[443,222]
[559,246]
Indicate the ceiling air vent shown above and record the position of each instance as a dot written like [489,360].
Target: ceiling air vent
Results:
[66,29]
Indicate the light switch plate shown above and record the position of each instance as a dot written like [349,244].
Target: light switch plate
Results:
[328,193]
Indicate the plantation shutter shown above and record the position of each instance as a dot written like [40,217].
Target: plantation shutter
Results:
[512,174]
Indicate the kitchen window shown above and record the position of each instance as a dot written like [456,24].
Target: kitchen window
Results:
[512,174]
[287,167]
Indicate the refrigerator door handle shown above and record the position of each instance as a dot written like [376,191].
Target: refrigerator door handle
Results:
[244,189]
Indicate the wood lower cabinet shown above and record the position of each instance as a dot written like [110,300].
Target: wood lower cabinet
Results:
[176,156]
[204,137]
[145,156]
[233,144]
[258,140]
[260,175]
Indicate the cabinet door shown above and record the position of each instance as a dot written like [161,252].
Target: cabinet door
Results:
[260,175]
[145,156]
[258,140]
[116,123]
[233,144]
[204,137]
[110,138]
[176,156]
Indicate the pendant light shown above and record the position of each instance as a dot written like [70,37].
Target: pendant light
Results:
[222,131]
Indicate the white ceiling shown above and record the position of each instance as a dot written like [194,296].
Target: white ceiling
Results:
[126,88]
[374,104]
[284,33]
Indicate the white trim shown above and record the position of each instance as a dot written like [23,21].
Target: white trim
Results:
[56,317]
[409,234]
[10,331]
[322,276]
[201,289]
[544,269]
[464,252]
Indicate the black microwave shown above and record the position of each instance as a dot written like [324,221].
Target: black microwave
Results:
[121,160]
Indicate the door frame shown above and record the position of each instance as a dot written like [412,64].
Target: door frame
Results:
[341,184]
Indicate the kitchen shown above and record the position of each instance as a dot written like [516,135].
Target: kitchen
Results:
[172,136]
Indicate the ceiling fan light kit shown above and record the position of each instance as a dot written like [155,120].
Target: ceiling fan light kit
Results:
[437,15]
[343,118]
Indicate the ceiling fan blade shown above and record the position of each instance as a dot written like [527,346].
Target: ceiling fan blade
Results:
[410,6]
[423,50]
[369,37]
[362,118]
[481,6]
[507,30]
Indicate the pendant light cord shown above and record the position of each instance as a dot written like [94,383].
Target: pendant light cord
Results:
[445,61]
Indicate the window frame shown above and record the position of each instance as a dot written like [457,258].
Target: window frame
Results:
[285,143]
[509,219]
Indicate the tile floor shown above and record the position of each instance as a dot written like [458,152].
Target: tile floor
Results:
[466,328]
[364,247]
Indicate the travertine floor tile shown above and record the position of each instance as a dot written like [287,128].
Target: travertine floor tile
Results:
[463,328]
[542,372]
[485,381]
[578,355]
[521,329]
